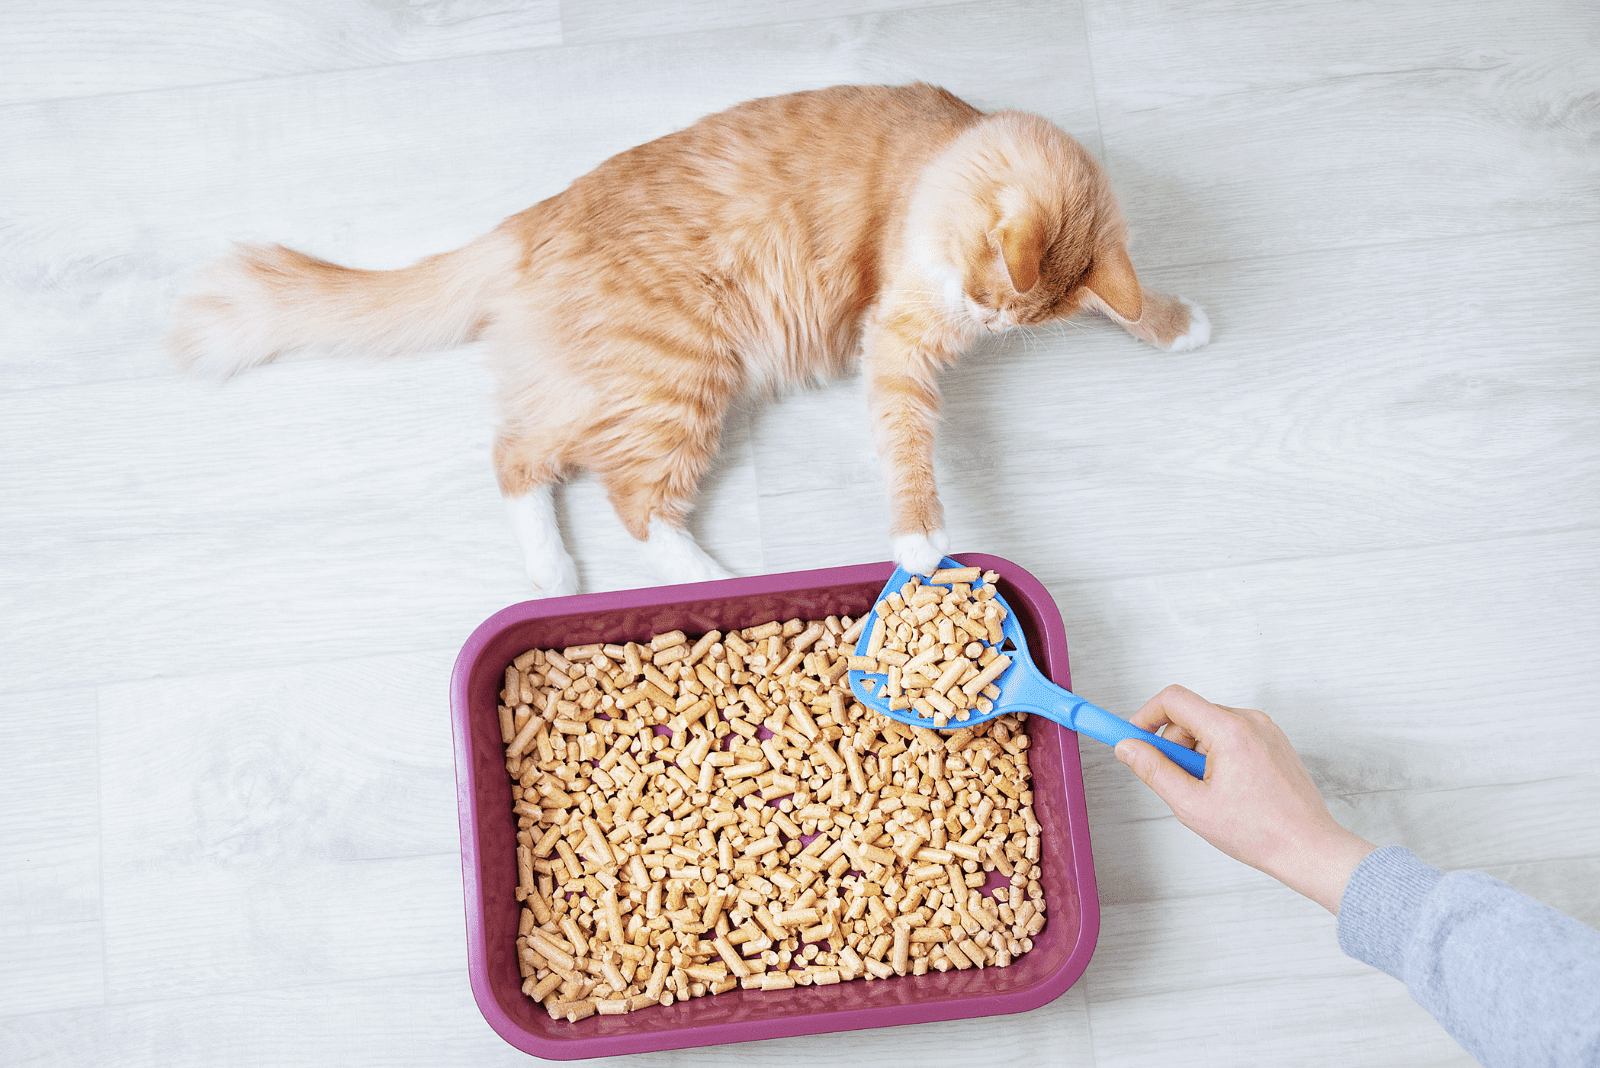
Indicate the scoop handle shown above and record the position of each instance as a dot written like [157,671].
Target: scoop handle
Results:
[1102,726]
[1037,693]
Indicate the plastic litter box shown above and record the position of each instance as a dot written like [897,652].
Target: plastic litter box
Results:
[488,832]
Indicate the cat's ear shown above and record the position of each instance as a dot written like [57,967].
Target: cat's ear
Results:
[1111,278]
[1021,245]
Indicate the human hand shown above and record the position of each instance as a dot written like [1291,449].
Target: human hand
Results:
[1257,802]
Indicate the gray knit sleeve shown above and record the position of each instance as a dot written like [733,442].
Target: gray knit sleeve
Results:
[1514,981]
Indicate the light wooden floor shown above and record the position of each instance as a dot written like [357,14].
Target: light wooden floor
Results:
[1372,506]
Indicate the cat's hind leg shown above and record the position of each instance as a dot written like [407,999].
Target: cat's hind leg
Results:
[545,559]
[529,492]
[675,556]
[652,489]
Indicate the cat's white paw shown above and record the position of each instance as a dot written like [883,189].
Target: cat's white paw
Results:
[553,577]
[676,557]
[1199,332]
[545,559]
[920,554]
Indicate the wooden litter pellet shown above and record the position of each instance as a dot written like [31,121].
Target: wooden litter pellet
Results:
[938,646]
[699,814]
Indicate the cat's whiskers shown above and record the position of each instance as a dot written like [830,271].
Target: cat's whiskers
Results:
[1031,342]
[943,314]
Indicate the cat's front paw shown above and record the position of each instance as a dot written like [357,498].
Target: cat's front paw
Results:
[920,554]
[1199,332]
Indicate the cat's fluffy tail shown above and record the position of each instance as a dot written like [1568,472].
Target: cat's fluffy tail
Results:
[264,300]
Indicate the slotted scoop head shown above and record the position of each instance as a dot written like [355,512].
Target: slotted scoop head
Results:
[1023,687]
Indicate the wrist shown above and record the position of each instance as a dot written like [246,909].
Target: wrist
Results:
[1319,866]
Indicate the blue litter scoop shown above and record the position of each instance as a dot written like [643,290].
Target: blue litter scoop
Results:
[1023,687]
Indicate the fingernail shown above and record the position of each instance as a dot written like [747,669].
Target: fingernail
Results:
[1124,751]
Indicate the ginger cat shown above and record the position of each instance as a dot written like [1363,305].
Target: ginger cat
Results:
[773,243]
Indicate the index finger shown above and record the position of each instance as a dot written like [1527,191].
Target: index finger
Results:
[1183,708]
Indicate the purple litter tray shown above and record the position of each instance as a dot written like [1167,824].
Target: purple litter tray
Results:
[488,832]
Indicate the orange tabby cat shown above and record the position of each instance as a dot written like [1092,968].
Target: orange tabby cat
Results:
[776,242]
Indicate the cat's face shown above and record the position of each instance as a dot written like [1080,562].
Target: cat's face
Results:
[1038,271]
[991,294]
[1015,225]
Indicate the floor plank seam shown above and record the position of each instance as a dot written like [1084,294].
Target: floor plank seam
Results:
[1444,240]
[275,667]
[1094,83]
[1088,1010]
[242,995]
[1480,785]
[763,24]
[466,57]
[1132,576]
[1284,892]
[100,849]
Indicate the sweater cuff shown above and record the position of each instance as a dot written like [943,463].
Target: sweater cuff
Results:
[1381,905]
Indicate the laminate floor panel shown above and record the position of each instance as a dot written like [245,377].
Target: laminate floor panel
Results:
[87,48]
[228,611]
[278,827]
[1224,122]
[1314,1022]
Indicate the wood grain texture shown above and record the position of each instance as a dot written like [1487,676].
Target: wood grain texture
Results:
[1178,947]
[1214,940]
[1308,1022]
[1410,682]
[50,886]
[1055,1034]
[82,48]
[404,1020]
[1566,885]
[428,1020]
[50,837]
[616,20]
[270,828]
[1268,129]
[49,967]
[227,614]
[337,761]
[198,539]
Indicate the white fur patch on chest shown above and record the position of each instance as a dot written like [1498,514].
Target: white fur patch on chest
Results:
[941,276]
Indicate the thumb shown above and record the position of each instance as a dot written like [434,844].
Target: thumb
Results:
[1170,782]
